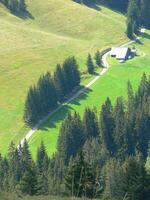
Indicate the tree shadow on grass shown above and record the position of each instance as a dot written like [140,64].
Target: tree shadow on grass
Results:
[24,15]
[60,115]
[93,5]
[146,35]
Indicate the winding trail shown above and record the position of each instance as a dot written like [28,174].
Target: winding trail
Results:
[78,93]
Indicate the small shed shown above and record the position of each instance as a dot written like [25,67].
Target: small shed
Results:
[121,53]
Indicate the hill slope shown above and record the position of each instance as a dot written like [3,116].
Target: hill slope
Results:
[112,85]
[33,44]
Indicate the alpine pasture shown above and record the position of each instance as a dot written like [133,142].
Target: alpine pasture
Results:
[34,43]
[112,84]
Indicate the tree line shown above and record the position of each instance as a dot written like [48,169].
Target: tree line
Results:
[50,91]
[101,155]
[137,15]
[15,6]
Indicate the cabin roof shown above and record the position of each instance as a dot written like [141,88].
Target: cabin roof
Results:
[119,52]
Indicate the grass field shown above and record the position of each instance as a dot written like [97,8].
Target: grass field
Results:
[112,84]
[33,44]
[7,196]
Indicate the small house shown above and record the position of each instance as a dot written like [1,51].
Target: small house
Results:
[121,53]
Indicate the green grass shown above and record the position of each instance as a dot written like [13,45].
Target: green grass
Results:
[112,84]
[30,47]
[7,196]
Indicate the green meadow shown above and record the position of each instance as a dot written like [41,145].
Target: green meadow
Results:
[33,43]
[112,84]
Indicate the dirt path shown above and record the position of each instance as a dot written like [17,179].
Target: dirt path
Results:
[105,69]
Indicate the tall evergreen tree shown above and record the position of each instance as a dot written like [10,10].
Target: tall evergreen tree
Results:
[80,179]
[145,14]
[136,185]
[22,5]
[119,129]
[107,125]
[132,18]
[98,58]
[90,124]
[59,83]
[90,64]
[71,137]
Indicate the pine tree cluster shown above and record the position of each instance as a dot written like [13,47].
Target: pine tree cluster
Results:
[15,6]
[50,91]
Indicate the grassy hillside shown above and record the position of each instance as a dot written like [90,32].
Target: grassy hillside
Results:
[112,84]
[36,42]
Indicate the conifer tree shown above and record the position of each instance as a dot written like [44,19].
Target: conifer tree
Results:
[119,129]
[98,58]
[136,185]
[28,181]
[32,106]
[71,137]
[59,83]
[80,179]
[132,18]
[107,125]
[90,124]
[22,5]
[145,14]
[13,5]
[90,64]
[47,94]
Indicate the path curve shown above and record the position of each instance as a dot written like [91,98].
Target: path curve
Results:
[105,69]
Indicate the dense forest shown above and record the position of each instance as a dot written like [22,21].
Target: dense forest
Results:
[101,155]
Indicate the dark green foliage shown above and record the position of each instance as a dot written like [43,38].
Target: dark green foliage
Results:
[112,166]
[145,13]
[98,58]
[80,179]
[71,74]
[59,83]
[90,124]
[136,184]
[133,18]
[71,137]
[90,65]
[119,128]
[32,109]
[42,164]
[15,6]
[107,125]
[49,91]
[47,94]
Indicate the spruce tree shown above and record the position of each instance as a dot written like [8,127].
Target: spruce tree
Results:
[80,179]
[145,13]
[90,64]
[90,123]
[136,185]
[13,6]
[59,83]
[71,137]
[22,5]
[32,106]
[107,125]
[133,21]
[119,128]
[98,58]
[28,181]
